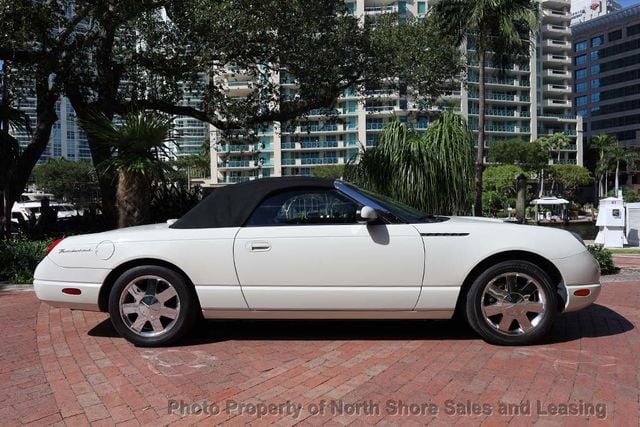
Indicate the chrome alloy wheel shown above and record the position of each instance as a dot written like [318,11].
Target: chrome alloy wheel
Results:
[513,303]
[149,306]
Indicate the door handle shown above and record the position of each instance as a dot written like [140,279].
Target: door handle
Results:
[259,246]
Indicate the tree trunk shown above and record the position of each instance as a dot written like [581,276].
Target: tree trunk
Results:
[541,194]
[600,186]
[107,180]
[19,174]
[616,183]
[481,117]
[133,198]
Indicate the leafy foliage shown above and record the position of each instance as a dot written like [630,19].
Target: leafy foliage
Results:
[530,156]
[555,142]
[604,258]
[19,259]
[329,171]
[500,187]
[431,172]
[569,178]
[71,181]
[172,201]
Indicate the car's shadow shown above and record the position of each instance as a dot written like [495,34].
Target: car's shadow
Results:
[594,321]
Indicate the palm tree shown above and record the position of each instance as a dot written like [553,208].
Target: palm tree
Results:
[556,142]
[615,155]
[431,172]
[601,143]
[504,28]
[138,145]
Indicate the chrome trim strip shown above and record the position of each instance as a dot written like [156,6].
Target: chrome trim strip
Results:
[321,314]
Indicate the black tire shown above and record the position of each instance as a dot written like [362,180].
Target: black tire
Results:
[181,303]
[495,314]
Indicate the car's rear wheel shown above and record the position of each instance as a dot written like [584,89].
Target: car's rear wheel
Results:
[512,303]
[152,306]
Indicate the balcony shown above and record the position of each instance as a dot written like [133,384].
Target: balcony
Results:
[554,88]
[380,109]
[556,74]
[319,161]
[556,4]
[553,44]
[376,10]
[236,164]
[556,59]
[382,93]
[557,15]
[557,103]
[553,29]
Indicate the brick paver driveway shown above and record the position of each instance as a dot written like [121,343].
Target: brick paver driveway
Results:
[69,367]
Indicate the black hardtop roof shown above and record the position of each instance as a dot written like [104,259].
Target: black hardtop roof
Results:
[231,206]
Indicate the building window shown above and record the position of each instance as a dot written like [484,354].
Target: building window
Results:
[581,101]
[422,7]
[580,60]
[581,87]
[595,69]
[615,35]
[595,83]
[582,113]
[633,30]
[581,73]
[595,97]
[595,55]
[580,46]
[351,9]
[597,41]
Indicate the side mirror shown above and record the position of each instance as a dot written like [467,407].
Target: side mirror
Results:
[368,215]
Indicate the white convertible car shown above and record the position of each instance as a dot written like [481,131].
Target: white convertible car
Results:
[294,248]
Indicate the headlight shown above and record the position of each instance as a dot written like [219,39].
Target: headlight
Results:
[577,236]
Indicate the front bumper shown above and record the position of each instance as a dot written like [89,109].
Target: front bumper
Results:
[575,302]
[580,272]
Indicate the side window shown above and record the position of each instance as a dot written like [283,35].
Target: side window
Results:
[305,207]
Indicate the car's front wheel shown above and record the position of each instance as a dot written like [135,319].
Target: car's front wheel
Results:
[152,306]
[512,303]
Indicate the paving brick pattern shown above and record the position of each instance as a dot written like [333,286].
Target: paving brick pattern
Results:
[69,367]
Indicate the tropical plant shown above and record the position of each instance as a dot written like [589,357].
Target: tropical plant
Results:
[19,258]
[432,172]
[615,155]
[556,142]
[137,144]
[604,258]
[501,28]
[601,143]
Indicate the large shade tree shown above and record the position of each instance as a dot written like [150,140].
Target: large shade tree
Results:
[114,57]
[500,29]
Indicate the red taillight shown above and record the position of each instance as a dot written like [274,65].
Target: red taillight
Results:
[53,245]
[582,293]
[71,291]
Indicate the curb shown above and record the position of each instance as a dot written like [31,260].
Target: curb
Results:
[6,287]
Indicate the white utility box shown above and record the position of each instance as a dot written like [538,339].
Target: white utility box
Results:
[611,223]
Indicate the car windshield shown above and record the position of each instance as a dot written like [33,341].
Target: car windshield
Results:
[398,209]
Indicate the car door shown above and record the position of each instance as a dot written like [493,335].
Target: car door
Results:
[305,250]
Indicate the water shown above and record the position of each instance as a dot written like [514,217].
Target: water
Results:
[586,230]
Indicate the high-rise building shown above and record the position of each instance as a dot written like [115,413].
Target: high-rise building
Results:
[531,101]
[606,69]
[584,10]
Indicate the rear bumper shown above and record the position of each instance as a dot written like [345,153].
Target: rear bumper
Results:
[51,293]
[575,302]
[50,279]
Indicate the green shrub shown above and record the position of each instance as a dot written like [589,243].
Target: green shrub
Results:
[603,256]
[19,259]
